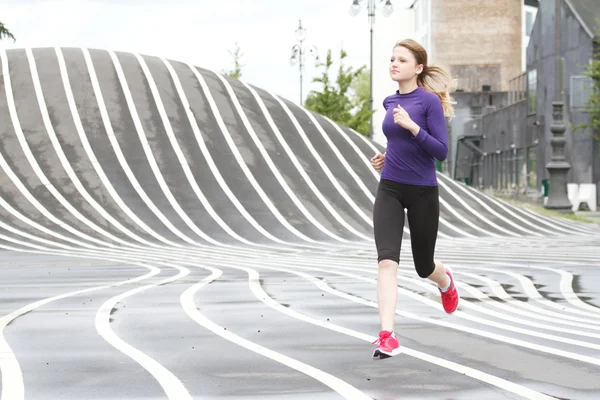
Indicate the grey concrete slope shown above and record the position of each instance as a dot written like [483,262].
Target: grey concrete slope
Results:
[189,156]
[167,232]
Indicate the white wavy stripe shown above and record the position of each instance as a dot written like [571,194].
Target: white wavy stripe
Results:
[326,203]
[566,289]
[225,132]
[532,293]
[494,314]
[172,386]
[271,165]
[59,151]
[559,224]
[188,304]
[494,212]
[116,148]
[501,316]
[93,160]
[150,157]
[238,156]
[475,212]
[321,163]
[13,177]
[535,313]
[254,282]
[33,162]
[12,378]
[475,331]
[511,211]
[242,163]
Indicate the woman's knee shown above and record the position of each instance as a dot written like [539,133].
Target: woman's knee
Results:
[424,269]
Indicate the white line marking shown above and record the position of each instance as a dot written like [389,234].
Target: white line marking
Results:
[188,304]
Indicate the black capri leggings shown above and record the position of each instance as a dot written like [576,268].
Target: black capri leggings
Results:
[423,211]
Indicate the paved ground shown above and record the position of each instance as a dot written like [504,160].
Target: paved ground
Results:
[168,233]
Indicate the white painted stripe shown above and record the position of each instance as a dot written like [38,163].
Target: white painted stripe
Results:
[94,161]
[177,149]
[225,132]
[150,158]
[13,177]
[115,145]
[189,305]
[324,168]
[532,292]
[339,156]
[317,157]
[479,332]
[502,316]
[271,165]
[538,218]
[59,151]
[491,210]
[235,150]
[510,303]
[474,212]
[12,377]
[566,286]
[172,386]
[326,203]
[259,293]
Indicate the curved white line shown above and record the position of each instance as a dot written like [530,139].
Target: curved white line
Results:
[255,286]
[214,168]
[188,304]
[299,167]
[479,332]
[320,161]
[93,160]
[13,177]
[174,389]
[272,166]
[494,212]
[12,377]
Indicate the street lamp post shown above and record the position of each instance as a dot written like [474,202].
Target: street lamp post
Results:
[298,53]
[558,167]
[387,11]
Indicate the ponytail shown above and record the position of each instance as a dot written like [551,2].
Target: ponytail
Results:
[436,80]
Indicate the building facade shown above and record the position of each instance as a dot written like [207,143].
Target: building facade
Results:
[513,143]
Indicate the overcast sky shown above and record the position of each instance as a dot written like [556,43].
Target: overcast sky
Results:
[202,32]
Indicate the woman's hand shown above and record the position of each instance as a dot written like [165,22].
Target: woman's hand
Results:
[402,118]
[377,161]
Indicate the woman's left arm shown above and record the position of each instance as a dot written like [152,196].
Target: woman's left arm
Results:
[434,142]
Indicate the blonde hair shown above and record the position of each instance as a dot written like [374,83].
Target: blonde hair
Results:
[433,78]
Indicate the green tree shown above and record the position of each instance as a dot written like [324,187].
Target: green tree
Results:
[360,102]
[5,33]
[345,100]
[593,104]
[237,55]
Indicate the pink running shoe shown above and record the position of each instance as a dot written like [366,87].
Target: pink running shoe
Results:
[450,297]
[388,345]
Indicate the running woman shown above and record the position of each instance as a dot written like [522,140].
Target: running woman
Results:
[415,128]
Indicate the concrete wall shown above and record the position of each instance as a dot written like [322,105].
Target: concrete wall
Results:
[486,35]
[470,107]
[576,48]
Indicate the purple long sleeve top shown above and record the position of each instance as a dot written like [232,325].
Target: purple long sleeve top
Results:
[411,159]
